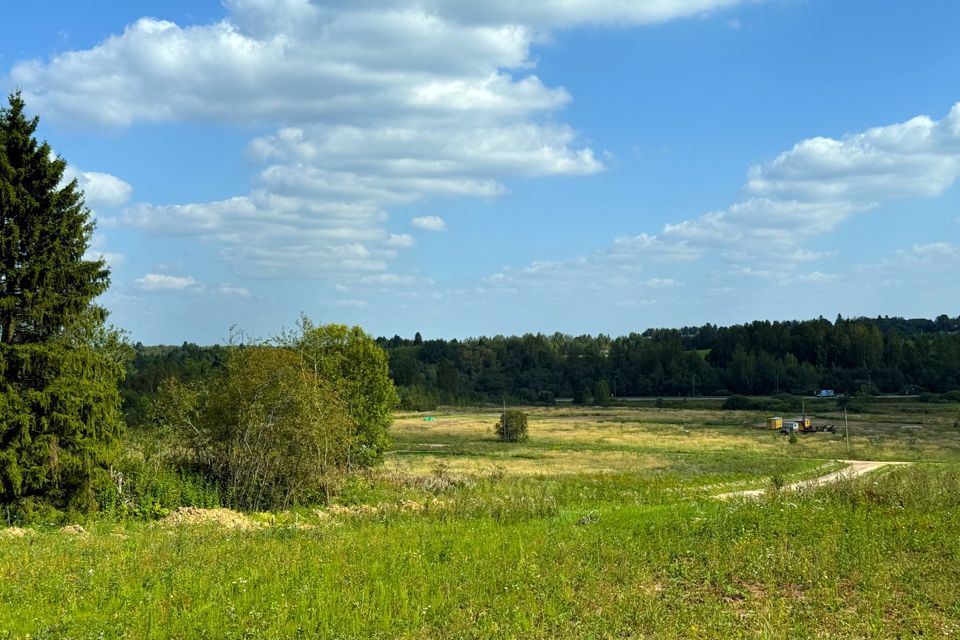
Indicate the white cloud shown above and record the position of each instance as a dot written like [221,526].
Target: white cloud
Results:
[356,304]
[97,250]
[299,61]
[651,247]
[267,234]
[916,281]
[395,279]
[429,223]
[817,277]
[371,104]
[932,251]
[821,182]
[919,157]
[99,189]
[156,282]
[547,14]
[761,223]
[400,241]
[164,283]
[228,290]
[662,283]
[801,194]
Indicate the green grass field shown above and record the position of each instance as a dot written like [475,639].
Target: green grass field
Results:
[602,525]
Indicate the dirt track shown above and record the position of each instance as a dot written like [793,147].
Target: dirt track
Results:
[853,469]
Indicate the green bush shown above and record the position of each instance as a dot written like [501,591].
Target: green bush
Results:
[546,397]
[266,428]
[786,402]
[512,426]
[737,402]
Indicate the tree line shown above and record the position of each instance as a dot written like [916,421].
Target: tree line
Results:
[850,356]
[859,355]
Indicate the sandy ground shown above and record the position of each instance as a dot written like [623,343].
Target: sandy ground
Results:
[853,469]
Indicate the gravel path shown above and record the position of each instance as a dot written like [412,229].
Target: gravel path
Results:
[853,469]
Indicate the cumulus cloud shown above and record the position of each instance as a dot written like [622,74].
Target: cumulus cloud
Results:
[821,182]
[371,104]
[429,223]
[803,193]
[919,157]
[299,61]
[99,189]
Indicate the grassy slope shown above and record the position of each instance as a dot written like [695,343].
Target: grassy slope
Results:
[630,548]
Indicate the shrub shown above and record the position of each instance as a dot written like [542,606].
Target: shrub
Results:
[737,403]
[266,428]
[601,394]
[512,426]
[787,402]
[546,397]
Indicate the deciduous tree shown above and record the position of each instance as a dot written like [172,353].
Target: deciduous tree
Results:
[355,367]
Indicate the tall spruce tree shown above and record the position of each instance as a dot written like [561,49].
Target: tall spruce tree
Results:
[59,366]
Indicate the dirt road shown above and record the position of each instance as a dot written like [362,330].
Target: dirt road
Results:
[853,469]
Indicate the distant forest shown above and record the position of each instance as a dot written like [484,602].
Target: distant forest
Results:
[851,356]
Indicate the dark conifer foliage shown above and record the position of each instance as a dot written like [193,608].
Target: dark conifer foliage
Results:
[59,366]
[45,229]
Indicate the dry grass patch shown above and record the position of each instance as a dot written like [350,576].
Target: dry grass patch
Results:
[524,462]
[222,518]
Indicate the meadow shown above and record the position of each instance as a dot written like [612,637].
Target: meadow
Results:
[602,525]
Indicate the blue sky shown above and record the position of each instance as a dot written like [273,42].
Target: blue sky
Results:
[460,169]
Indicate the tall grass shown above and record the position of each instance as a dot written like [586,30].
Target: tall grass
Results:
[874,557]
